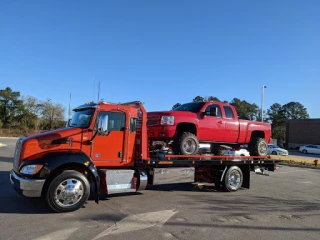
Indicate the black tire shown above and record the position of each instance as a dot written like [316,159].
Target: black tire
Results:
[73,179]
[258,147]
[233,179]
[274,153]
[217,150]
[180,145]
[305,151]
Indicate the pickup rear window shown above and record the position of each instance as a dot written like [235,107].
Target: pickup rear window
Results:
[228,111]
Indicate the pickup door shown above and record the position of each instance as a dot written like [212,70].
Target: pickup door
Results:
[231,125]
[212,128]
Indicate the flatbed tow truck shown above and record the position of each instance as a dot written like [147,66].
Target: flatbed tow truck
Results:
[102,147]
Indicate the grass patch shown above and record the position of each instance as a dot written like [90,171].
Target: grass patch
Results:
[297,160]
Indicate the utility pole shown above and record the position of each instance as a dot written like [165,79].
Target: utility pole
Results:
[98,91]
[262,101]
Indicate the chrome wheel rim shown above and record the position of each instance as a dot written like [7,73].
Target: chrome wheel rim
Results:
[263,149]
[189,146]
[234,179]
[69,192]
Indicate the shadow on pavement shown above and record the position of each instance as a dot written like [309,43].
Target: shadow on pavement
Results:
[12,202]
[6,159]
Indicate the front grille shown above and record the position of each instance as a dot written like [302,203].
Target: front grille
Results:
[153,120]
[152,123]
[17,153]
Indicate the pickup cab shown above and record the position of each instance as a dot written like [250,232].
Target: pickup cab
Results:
[216,123]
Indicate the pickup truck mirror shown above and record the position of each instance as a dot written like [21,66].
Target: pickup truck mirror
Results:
[213,111]
[103,125]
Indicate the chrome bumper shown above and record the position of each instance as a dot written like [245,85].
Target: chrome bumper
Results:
[27,187]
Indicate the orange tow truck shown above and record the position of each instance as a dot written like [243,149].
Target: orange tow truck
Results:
[101,150]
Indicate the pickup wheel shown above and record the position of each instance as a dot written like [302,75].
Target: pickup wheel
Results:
[68,191]
[186,144]
[233,179]
[258,147]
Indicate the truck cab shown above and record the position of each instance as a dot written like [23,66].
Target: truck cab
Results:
[99,135]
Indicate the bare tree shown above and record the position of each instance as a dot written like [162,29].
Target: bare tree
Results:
[52,114]
[31,111]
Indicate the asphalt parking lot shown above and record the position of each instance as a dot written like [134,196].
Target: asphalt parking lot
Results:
[284,205]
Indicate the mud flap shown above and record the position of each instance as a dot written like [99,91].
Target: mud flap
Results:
[96,182]
[246,176]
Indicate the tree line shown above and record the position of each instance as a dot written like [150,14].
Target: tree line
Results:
[29,113]
[276,115]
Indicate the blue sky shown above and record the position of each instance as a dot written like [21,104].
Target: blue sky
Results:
[162,52]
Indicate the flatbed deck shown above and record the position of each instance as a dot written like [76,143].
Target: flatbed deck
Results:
[201,160]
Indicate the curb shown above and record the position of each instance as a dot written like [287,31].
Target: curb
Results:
[300,166]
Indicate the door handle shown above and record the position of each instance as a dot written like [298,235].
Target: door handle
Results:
[220,122]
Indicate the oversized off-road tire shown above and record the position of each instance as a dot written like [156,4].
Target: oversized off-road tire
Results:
[68,191]
[258,147]
[233,179]
[186,144]
[217,150]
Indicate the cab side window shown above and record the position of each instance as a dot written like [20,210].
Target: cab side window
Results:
[133,125]
[207,111]
[116,121]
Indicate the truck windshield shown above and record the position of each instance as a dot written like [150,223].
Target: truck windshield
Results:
[190,107]
[82,118]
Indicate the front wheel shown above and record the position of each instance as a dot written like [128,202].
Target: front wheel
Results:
[233,179]
[68,191]
[305,151]
[186,144]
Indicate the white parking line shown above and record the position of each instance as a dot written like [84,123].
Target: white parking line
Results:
[60,234]
[138,222]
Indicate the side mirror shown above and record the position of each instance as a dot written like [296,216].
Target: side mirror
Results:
[103,125]
[203,114]
[68,122]
[213,111]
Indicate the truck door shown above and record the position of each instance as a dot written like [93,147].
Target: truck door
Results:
[232,126]
[211,128]
[109,149]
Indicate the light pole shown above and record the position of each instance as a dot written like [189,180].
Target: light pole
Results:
[262,101]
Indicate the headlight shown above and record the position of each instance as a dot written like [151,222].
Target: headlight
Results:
[167,120]
[31,169]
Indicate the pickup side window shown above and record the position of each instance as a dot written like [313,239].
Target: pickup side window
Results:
[214,105]
[228,111]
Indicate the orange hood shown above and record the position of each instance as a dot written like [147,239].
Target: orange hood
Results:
[68,139]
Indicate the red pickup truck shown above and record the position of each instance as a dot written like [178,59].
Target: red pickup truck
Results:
[216,123]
